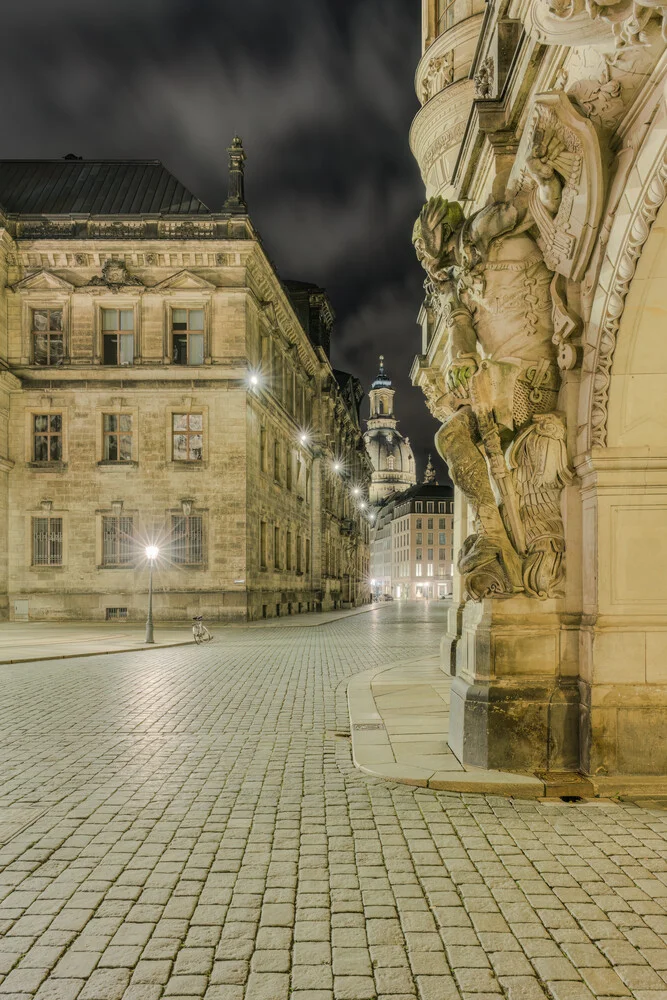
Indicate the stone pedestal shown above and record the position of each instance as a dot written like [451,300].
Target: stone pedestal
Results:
[514,700]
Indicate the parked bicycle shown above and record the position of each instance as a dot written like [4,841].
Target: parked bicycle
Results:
[199,630]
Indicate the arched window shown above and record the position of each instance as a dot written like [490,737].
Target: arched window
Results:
[381,409]
[390,463]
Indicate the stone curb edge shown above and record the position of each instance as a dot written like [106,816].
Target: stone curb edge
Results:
[100,652]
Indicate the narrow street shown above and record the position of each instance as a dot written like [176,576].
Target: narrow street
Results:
[187,822]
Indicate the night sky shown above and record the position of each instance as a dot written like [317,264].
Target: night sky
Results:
[321,92]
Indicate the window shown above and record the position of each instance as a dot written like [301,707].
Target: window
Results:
[429,538]
[390,463]
[442,554]
[429,569]
[442,523]
[47,541]
[429,524]
[418,554]
[419,538]
[262,449]
[114,614]
[187,336]
[418,569]
[288,550]
[262,544]
[442,508]
[307,560]
[118,336]
[276,461]
[430,554]
[48,345]
[276,548]
[117,432]
[47,438]
[288,469]
[187,539]
[418,524]
[187,437]
[117,541]
[419,507]
[442,538]
[429,508]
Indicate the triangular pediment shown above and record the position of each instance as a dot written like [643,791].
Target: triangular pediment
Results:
[184,279]
[43,281]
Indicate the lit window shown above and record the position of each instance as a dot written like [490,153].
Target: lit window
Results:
[47,541]
[118,336]
[418,569]
[48,346]
[117,437]
[187,336]
[47,438]
[117,541]
[187,539]
[429,569]
[187,435]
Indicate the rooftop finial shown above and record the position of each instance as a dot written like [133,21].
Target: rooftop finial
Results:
[236,193]
[429,474]
[382,364]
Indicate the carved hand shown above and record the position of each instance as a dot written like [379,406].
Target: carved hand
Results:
[459,373]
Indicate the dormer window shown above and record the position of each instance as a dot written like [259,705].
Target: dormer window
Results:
[187,333]
[48,344]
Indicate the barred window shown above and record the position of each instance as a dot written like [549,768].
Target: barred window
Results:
[187,331]
[117,541]
[117,437]
[187,539]
[47,437]
[48,345]
[187,435]
[47,541]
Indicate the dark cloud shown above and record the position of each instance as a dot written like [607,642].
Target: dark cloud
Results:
[322,93]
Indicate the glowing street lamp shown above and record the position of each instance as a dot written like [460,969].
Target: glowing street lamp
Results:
[304,438]
[337,466]
[356,492]
[152,552]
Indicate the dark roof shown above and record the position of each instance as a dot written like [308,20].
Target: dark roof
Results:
[422,491]
[93,187]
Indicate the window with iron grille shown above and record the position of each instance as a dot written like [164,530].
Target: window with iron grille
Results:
[117,428]
[187,436]
[118,336]
[48,344]
[187,333]
[47,541]
[187,539]
[113,614]
[47,437]
[117,541]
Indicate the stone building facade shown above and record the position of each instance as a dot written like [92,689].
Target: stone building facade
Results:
[412,544]
[542,142]
[391,454]
[159,385]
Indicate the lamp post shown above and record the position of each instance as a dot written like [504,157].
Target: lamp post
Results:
[152,553]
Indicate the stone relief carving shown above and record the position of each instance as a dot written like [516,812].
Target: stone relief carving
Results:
[499,289]
[624,23]
[484,78]
[654,196]
[115,275]
[439,74]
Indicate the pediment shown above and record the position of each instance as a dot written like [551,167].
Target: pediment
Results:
[185,279]
[43,281]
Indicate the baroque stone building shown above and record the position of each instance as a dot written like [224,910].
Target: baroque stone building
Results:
[542,142]
[412,543]
[390,452]
[159,384]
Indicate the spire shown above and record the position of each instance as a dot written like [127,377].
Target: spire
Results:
[381,379]
[236,192]
[429,474]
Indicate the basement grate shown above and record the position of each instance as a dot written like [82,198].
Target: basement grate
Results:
[368,725]
[571,798]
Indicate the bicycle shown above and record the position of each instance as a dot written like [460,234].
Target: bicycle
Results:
[199,631]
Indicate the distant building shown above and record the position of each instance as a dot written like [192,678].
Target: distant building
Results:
[412,543]
[390,453]
[160,384]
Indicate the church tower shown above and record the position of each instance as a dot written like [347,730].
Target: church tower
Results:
[390,453]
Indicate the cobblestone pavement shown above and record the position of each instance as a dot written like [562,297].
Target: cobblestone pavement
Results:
[193,827]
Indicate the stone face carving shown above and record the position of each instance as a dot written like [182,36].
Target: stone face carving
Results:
[439,74]
[500,293]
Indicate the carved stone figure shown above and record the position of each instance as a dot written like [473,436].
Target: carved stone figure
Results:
[626,20]
[508,321]
[115,275]
[439,74]
[484,78]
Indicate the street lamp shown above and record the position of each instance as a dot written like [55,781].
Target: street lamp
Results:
[152,552]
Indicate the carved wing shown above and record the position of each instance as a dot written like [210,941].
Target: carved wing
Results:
[566,237]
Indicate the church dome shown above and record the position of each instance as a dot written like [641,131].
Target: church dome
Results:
[389,451]
[391,454]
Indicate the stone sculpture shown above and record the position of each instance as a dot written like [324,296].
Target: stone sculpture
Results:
[495,279]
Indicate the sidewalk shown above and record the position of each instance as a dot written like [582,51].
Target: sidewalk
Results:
[23,642]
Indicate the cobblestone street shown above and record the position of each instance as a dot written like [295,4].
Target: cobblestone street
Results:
[188,823]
